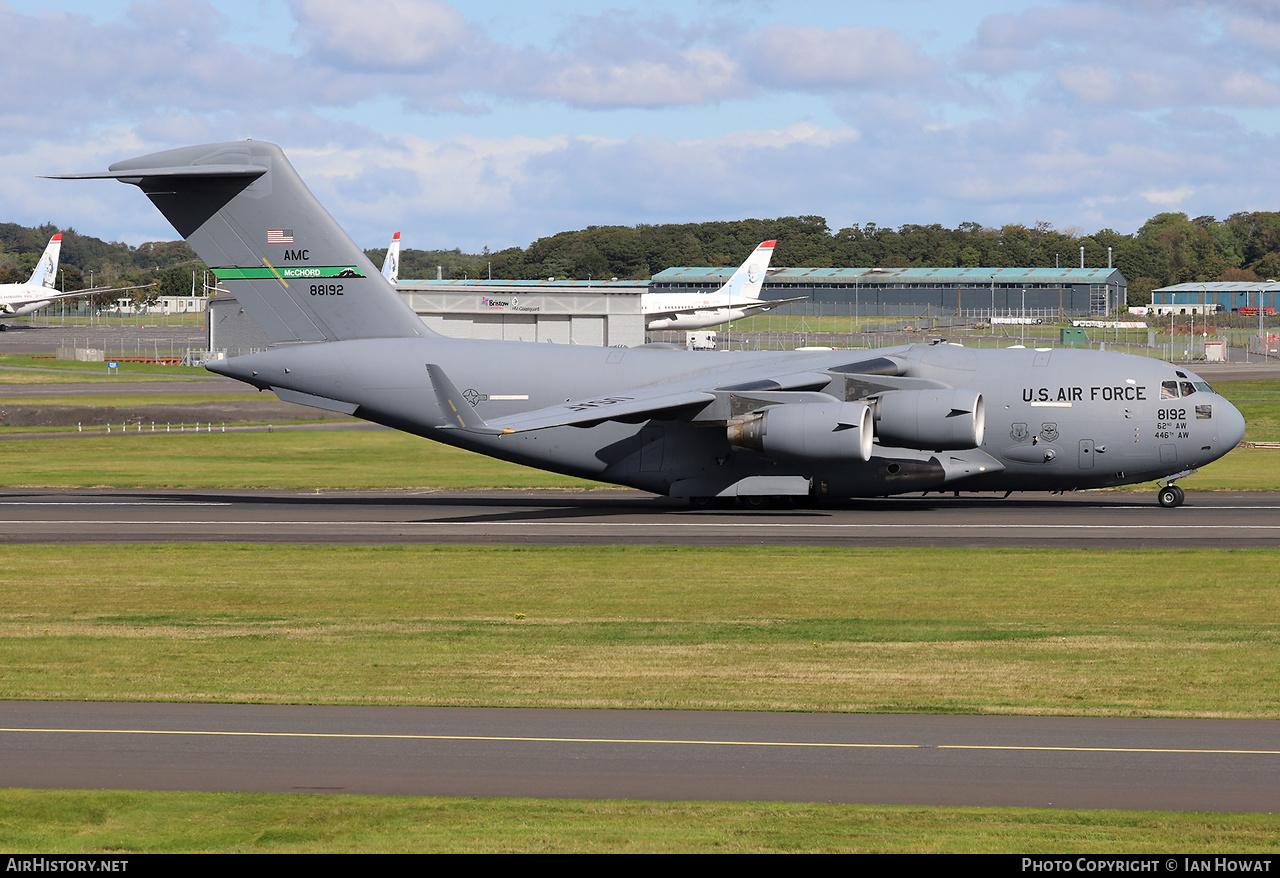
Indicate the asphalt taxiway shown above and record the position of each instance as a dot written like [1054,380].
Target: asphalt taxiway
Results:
[615,517]
[1050,762]
[1067,762]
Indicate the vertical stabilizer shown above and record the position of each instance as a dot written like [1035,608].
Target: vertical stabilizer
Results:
[245,211]
[749,278]
[46,272]
[391,265]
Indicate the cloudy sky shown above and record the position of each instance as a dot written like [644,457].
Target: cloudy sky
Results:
[492,123]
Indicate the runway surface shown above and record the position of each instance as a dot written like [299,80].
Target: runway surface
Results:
[657,755]
[1213,765]
[614,517]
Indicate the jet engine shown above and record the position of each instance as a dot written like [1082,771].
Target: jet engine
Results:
[945,419]
[835,431]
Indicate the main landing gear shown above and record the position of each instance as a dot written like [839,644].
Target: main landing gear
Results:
[1171,496]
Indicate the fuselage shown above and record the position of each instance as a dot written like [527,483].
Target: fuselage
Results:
[684,311]
[18,300]
[1054,419]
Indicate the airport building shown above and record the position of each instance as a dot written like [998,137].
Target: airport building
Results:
[872,292]
[600,313]
[607,313]
[1239,296]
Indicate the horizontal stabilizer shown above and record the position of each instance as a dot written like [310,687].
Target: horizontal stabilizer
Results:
[136,175]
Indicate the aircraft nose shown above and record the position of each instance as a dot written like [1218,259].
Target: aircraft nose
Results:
[1230,426]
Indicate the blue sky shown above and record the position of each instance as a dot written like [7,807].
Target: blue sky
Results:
[488,123]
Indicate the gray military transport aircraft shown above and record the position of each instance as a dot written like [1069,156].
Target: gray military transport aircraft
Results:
[756,426]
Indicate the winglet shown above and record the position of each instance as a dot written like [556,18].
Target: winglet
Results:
[458,413]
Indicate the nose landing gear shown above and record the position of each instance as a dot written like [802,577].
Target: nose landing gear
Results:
[1171,496]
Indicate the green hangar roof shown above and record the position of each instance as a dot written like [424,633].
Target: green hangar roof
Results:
[949,276]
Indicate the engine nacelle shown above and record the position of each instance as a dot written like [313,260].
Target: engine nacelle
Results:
[817,431]
[946,419]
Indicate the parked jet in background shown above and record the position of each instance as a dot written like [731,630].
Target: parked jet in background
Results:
[391,265]
[18,300]
[739,297]
[749,425]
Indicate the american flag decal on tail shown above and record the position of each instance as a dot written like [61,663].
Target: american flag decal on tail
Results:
[279,236]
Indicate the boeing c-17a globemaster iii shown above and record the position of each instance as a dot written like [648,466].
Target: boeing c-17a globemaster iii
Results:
[750,425]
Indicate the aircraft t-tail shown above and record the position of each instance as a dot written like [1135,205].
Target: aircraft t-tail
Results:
[738,297]
[750,425]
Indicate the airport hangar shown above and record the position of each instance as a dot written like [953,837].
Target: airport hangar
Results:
[886,292]
[1218,296]
[602,313]
[607,313]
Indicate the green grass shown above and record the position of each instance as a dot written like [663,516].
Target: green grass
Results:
[358,459]
[135,399]
[279,459]
[186,318]
[1021,631]
[115,824]
[1259,402]
[354,459]
[28,369]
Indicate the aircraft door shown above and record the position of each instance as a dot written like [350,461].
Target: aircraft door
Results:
[1086,454]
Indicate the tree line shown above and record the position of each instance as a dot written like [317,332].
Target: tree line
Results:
[87,262]
[1170,248]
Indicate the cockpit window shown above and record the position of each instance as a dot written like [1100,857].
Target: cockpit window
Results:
[1177,389]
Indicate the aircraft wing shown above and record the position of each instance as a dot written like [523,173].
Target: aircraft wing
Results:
[633,405]
[768,304]
[637,406]
[460,415]
[75,294]
[31,296]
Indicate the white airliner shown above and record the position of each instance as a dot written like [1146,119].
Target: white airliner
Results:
[18,300]
[739,297]
[391,265]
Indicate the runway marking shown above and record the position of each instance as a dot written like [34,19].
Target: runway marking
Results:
[524,739]
[114,503]
[684,525]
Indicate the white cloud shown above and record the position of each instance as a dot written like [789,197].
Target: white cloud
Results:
[1093,111]
[698,75]
[384,35]
[1170,198]
[844,57]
